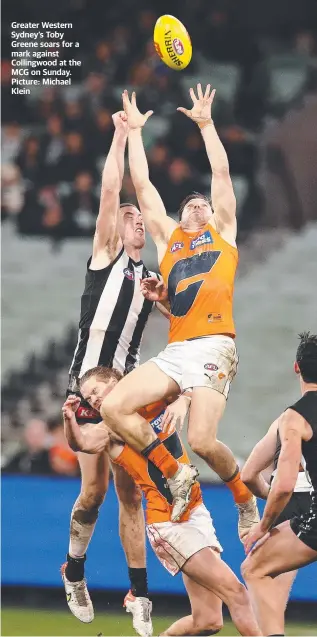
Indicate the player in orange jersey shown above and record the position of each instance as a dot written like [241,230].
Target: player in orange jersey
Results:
[198,259]
[190,546]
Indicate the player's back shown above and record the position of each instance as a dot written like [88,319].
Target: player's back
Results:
[113,316]
[149,478]
[199,271]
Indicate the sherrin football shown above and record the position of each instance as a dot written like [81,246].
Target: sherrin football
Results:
[172,42]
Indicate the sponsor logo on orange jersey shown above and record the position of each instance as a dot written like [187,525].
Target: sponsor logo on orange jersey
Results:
[214,318]
[201,240]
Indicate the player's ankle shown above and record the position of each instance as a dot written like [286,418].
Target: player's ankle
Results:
[75,568]
[239,490]
[157,453]
[138,581]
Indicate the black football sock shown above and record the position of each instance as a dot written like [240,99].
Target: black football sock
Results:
[75,569]
[138,580]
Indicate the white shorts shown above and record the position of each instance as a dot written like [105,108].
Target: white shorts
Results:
[175,542]
[210,361]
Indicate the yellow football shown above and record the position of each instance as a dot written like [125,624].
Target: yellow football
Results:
[172,42]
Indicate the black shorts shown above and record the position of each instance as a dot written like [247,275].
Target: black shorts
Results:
[85,413]
[305,525]
[299,504]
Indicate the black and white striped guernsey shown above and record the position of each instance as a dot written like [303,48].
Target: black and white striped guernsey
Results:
[113,317]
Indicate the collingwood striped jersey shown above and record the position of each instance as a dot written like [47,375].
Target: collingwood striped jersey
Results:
[112,318]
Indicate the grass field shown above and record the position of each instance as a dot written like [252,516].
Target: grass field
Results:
[53,623]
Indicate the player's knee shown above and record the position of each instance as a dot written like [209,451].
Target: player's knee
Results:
[248,569]
[204,626]
[237,594]
[197,443]
[110,409]
[89,504]
[129,498]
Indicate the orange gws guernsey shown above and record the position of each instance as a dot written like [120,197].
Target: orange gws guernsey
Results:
[199,272]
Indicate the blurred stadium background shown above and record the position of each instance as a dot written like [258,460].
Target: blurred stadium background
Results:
[262,59]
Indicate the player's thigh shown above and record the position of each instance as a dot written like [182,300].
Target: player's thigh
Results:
[206,606]
[144,385]
[282,552]
[129,494]
[94,470]
[206,410]
[206,569]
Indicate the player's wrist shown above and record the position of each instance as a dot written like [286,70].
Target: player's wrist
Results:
[135,129]
[188,394]
[205,123]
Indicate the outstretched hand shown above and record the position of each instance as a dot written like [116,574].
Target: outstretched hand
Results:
[201,111]
[135,119]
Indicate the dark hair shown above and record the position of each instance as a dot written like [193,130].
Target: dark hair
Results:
[124,205]
[101,373]
[306,357]
[193,195]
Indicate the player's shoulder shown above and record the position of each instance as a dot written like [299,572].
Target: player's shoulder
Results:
[306,406]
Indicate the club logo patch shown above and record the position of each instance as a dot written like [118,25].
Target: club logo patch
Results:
[178,46]
[178,245]
[211,367]
[129,274]
[202,240]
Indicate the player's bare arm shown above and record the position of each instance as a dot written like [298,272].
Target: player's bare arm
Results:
[222,194]
[260,459]
[158,224]
[292,430]
[106,236]
[90,438]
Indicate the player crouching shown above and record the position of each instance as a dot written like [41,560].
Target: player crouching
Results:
[190,545]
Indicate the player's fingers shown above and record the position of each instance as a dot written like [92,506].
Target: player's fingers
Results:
[126,101]
[207,92]
[173,423]
[193,96]
[148,114]
[184,110]
[149,279]
[133,100]
[166,418]
[199,92]
[211,98]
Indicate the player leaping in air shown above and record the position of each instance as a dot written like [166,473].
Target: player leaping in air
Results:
[198,259]
[112,320]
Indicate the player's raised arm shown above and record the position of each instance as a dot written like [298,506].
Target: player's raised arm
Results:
[259,459]
[112,175]
[222,194]
[159,225]
[90,438]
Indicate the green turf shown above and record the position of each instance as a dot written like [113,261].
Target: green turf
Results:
[53,623]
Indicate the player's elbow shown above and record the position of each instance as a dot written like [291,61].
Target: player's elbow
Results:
[111,186]
[284,487]
[110,410]
[247,476]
